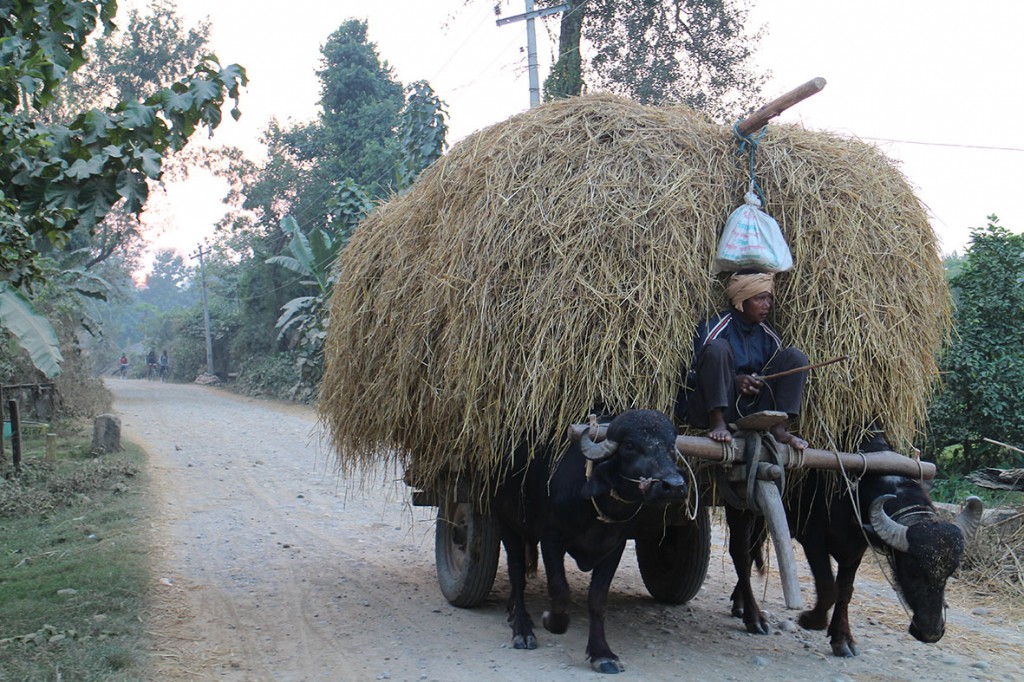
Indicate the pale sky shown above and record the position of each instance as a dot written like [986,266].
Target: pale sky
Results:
[937,85]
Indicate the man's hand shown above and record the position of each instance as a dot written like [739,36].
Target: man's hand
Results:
[747,384]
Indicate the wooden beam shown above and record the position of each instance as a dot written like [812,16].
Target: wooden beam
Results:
[759,119]
[855,463]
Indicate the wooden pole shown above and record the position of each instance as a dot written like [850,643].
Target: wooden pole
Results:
[51,447]
[759,119]
[3,453]
[12,407]
[886,462]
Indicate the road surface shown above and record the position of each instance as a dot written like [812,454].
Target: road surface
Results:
[268,566]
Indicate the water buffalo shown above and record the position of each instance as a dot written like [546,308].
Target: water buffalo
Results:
[894,515]
[585,506]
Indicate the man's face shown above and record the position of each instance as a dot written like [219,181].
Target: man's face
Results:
[755,308]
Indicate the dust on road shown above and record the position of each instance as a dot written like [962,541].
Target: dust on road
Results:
[267,566]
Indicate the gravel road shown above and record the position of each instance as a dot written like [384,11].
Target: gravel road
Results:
[270,567]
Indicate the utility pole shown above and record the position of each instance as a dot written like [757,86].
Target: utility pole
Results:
[531,42]
[206,315]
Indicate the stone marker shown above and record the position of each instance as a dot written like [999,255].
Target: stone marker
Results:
[106,434]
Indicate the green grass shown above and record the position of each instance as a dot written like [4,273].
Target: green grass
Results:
[73,566]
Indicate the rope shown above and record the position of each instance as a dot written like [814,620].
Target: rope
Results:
[691,515]
[854,491]
[750,142]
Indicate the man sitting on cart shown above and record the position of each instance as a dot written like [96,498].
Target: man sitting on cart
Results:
[731,351]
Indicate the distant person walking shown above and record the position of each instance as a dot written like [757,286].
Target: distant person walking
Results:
[151,364]
[165,364]
[123,365]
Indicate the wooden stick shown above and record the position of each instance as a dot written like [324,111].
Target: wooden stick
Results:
[759,119]
[1004,445]
[805,368]
[854,463]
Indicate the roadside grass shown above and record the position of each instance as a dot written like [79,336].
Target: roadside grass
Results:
[73,565]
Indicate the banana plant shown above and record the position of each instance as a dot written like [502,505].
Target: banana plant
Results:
[32,331]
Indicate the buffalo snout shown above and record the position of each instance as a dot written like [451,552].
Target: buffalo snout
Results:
[928,635]
[667,489]
[931,632]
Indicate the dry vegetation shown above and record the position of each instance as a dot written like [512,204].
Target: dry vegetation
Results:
[563,258]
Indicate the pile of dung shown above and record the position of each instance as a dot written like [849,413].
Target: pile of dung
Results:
[563,258]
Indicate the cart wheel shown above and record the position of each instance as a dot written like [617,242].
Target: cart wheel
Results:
[673,563]
[466,552]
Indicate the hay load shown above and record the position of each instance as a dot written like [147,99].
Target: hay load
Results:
[562,258]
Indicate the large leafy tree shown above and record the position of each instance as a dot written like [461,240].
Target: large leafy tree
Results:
[167,285]
[697,52]
[983,369]
[360,101]
[60,176]
[294,210]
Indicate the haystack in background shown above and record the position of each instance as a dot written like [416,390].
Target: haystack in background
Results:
[563,258]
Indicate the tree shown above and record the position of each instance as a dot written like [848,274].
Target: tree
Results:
[697,52]
[152,50]
[58,177]
[166,286]
[983,368]
[360,100]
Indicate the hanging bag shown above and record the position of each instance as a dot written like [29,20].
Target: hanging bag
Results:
[752,240]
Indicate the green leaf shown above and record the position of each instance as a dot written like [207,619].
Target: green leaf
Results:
[32,331]
[84,168]
[151,163]
[289,263]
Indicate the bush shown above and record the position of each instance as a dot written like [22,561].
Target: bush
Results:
[275,376]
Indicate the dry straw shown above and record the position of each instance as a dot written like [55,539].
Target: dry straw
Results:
[562,258]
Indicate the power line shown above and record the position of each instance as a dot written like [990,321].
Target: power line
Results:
[945,144]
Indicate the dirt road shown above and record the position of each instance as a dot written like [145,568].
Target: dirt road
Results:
[269,567]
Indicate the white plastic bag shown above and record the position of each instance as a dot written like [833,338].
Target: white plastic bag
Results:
[752,240]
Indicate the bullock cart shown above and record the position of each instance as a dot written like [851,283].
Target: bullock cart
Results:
[673,547]
[563,258]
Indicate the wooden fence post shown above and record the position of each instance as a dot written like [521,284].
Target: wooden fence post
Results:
[3,454]
[12,407]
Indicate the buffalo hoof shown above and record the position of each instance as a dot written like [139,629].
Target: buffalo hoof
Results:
[759,627]
[610,666]
[812,620]
[845,648]
[524,642]
[555,624]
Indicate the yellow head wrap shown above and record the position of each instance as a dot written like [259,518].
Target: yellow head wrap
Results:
[742,287]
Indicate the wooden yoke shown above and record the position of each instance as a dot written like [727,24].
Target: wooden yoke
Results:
[759,119]
[886,462]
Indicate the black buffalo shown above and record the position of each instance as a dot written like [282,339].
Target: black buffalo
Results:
[586,507]
[894,515]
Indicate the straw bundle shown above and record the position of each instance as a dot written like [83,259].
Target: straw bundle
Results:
[563,258]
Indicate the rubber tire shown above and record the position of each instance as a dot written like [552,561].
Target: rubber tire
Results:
[673,564]
[466,552]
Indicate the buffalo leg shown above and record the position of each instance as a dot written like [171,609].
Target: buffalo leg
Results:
[557,619]
[601,657]
[843,643]
[518,617]
[816,618]
[740,549]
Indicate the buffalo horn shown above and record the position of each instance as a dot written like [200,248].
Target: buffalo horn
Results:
[969,519]
[892,533]
[596,452]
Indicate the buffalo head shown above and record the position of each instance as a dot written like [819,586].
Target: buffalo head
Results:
[925,553]
[637,460]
